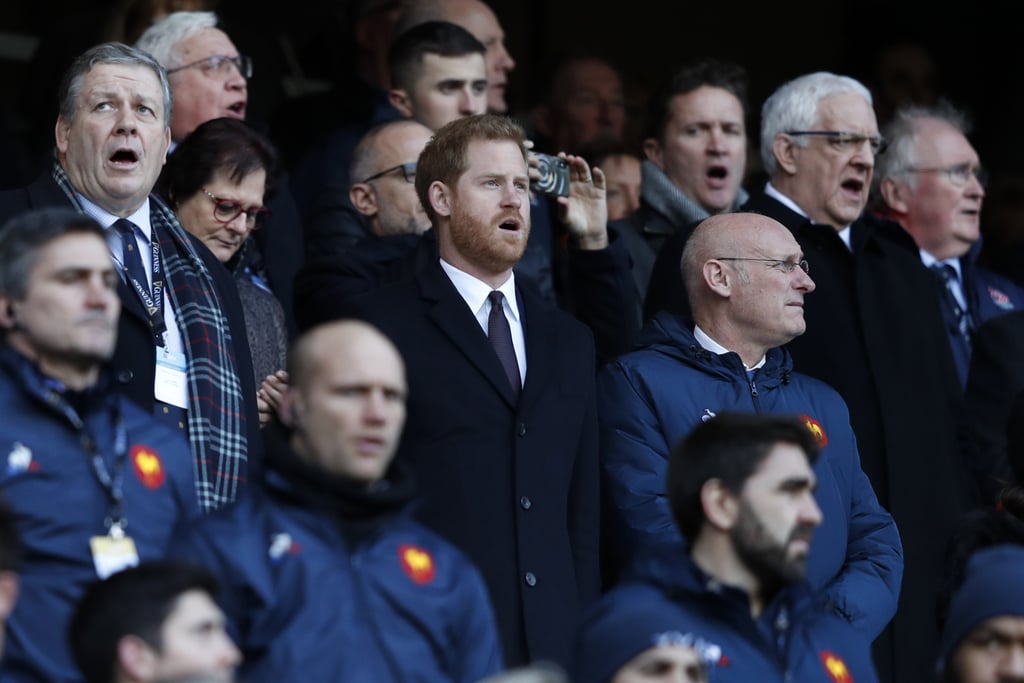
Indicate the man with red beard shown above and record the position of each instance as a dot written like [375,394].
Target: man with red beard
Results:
[502,427]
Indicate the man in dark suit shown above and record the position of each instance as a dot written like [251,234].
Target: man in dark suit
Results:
[505,451]
[181,347]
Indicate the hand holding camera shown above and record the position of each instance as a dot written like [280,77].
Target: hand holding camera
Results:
[585,210]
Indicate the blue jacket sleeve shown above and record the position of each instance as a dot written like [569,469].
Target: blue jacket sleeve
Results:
[477,631]
[634,464]
[865,592]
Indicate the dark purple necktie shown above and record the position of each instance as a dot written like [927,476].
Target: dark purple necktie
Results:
[500,334]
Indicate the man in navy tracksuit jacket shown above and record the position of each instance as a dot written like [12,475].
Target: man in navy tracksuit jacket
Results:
[325,575]
[741,490]
[95,483]
[652,397]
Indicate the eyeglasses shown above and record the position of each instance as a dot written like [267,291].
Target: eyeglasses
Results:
[845,141]
[219,66]
[408,172]
[958,174]
[227,210]
[784,266]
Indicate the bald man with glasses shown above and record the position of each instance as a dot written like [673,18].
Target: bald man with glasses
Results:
[748,282]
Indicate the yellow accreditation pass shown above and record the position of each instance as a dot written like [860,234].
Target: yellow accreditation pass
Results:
[110,555]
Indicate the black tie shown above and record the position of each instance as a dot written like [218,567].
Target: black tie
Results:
[947,276]
[500,334]
[130,259]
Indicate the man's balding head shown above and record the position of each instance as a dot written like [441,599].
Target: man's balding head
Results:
[745,280]
[345,403]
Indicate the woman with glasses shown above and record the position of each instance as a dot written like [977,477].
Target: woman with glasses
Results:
[216,181]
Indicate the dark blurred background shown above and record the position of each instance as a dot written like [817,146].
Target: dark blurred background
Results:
[973,49]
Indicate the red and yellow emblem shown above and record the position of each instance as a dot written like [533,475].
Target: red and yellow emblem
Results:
[835,667]
[816,430]
[417,563]
[148,467]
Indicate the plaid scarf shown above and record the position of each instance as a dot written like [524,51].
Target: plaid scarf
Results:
[216,412]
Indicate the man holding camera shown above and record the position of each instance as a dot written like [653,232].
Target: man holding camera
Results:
[502,423]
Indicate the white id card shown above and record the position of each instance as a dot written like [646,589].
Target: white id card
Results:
[171,384]
[111,555]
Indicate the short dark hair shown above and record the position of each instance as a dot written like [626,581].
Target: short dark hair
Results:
[25,235]
[135,601]
[728,447]
[227,145]
[444,157]
[706,72]
[443,38]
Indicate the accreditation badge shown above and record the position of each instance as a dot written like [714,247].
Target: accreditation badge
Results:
[110,555]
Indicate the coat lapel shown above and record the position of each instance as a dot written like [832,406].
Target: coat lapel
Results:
[448,310]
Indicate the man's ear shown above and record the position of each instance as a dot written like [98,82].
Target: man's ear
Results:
[167,144]
[721,506]
[401,101]
[440,198]
[652,150]
[60,134]
[895,195]
[136,658]
[784,150]
[364,199]
[718,279]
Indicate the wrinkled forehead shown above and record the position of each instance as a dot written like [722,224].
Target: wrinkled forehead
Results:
[134,78]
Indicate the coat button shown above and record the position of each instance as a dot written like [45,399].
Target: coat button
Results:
[522,429]
[125,376]
[531,580]
[526,503]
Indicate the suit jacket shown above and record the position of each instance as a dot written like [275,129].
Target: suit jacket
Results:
[875,333]
[134,360]
[515,485]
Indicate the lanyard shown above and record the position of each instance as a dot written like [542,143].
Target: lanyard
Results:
[152,301]
[111,481]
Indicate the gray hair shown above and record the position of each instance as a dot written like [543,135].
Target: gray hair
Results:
[162,38]
[25,235]
[794,106]
[108,53]
[901,134]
